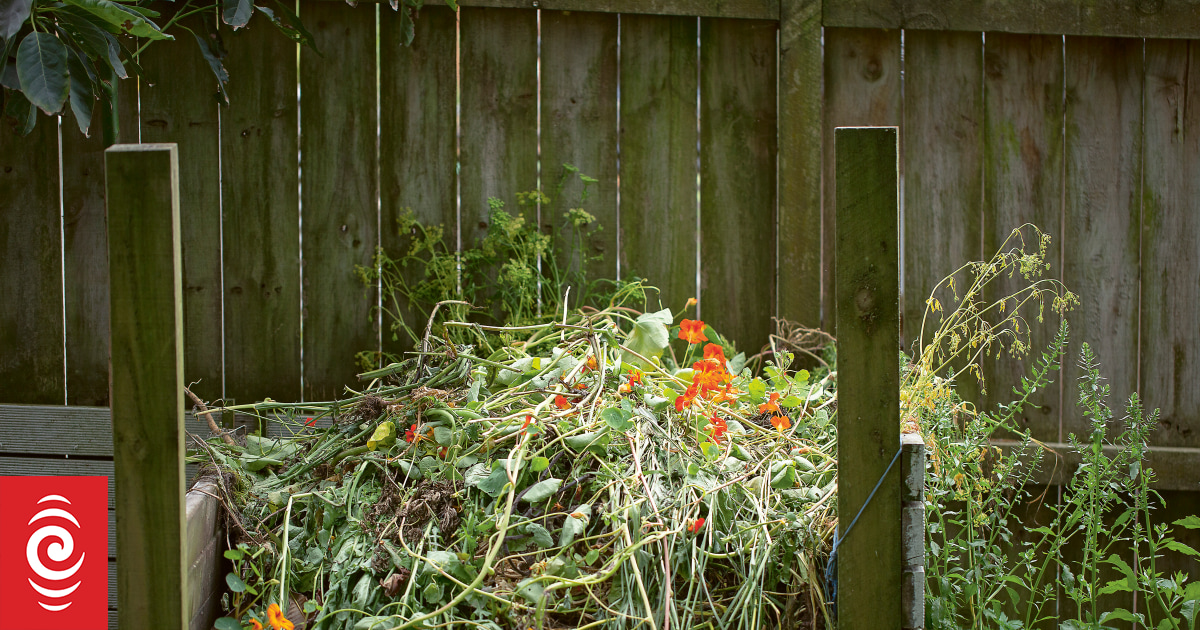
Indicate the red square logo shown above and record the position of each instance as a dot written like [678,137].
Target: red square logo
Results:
[54,553]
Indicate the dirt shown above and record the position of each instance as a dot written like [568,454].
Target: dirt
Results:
[430,500]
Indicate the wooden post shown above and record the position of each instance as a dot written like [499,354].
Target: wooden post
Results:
[142,185]
[912,529]
[868,345]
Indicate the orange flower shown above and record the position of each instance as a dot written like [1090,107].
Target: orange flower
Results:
[255,624]
[635,377]
[590,364]
[781,422]
[692,331]
[411,434]
[579,386]
[718,428]
[687,398]
[694,526]
[278,621]
[561,402]
[772,404]
[707,381]
[729,393]
[714,352]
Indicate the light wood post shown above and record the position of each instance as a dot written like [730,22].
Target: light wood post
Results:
[912,529]
[142,186]
[868,329]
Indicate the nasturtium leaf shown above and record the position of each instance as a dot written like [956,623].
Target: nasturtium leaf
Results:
[385,434]
[649,337]
[433,592]
[531,589]
[466,461]
[757,389]
[618,419]
[494,484]
[121,19]
[235,582]
[710,450]
[12,15]
[233,554]
[373,622]
[783,475]
[428,465]
[736,364]
[409,471]
[575,524]
[693,469]
[592,440]
[443,436]
[791,402]
[592,556]
[541,535]
[539,464]
[42,68]
[227,623]
[541,490]
[801,378]
[237,12]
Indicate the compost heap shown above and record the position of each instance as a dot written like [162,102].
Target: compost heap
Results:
[551,476]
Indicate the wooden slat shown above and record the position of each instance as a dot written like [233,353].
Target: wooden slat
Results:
[417,141]
[261,225]
[499,112]
[339,227]
[1170,353]
[51,466]
[1174,467]
[1023,167]
[749,9]
[1176,506]
[799,238]
[31,313]
[658,155]
[869,559]
[862,87]
[178,104]
[85,259]
[1168,18]
[145,271]
[69,431]
[1102,214]
[943,166]
[579,127]
[737,178]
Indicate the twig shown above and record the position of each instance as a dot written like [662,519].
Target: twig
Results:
[212,424]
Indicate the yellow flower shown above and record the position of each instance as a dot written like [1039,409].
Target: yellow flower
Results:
[278,621]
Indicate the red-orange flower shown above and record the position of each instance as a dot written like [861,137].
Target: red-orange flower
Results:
[772,404]
[528,421]
[692,331]
[729,392]
[714,352]
[278,621]
[561,402]
[255,624]
[411,434]
[635,377]
[590,364]
[687,398]
[694,526]
[718,428]
[442,451]
[781,422]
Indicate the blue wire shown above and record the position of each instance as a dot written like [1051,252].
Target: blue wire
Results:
[831,582]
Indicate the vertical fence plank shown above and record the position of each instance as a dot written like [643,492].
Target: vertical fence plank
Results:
[499,111]
[85,265]
[799,238]
[1102,212]
[1170,355]
[737,178]
[862,87]
[943,167]
[417,141]
[870,558]
[1023,153]
[579,127]
[178,105]
[337,142]
[658,154]
[261,228]
[142,186]
[31,320]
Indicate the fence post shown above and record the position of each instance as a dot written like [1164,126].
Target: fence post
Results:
[912,529]
[142,196]
[868,344]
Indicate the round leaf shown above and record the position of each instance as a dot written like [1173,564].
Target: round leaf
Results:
[541,490]
[235,582]
[42,68]
[539,464]
[227,623]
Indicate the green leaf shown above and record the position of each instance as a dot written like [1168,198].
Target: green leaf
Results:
[495,482]
[121,19]
[791,402]
[592,440]
[1119,614]
[42,67]
[757,389]
[783,475]
[1116,586]
[227,623]
[210,49]
[1191,522]
[541,490]
[1192,591]
[82,28]
[475,475]
[237,12]
[539,464]
[1121,566]
[531,589]
[1175,545]
[385,434]
[618,419]
[12,16]
[574,525]
[19,108]
[443,436]
[541,535]
[235,582]
[649,337]
[233,554]
[737,363]
[592,556]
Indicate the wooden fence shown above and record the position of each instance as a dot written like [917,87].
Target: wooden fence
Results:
[709,125]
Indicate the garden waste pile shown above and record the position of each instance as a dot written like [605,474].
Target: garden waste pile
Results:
[609,469]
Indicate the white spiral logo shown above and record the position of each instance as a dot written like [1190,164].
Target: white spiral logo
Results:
[59,551]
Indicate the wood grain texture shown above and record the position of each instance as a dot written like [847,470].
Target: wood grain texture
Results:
[262,231]
[1165,18]
[1170,347]
[1102,214]
[1023,168]
[204,547]
[579,127]
[178,104]
[85,260]
[943,166]
[869,560]
[417,143]
[862,88]
[70,431]
[749,9]
[737,178]
[499,112]
[145,271]
[31,313]
[340,221]
[658,155]
[799,247]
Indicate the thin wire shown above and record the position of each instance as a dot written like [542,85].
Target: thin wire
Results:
[62,257]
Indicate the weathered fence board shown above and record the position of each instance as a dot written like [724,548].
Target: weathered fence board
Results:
[658,154]
[1170,350]
[751,9]
[178,104]
[417,142]
[339,227]
[579,122]
[261,225]
[862,87]
[31,313]
[1102,215]
[737,178]
[1023,168]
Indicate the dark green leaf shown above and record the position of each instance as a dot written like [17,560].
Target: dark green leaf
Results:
[227,623]
[82,28]
[541,535]
[237,12]
[121,18]
[210,48]
[83,95]
[235,582]
[541,490]
[618,419]
[290,25]
[42,68]
[407,28]
[13,14]
[19,107]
